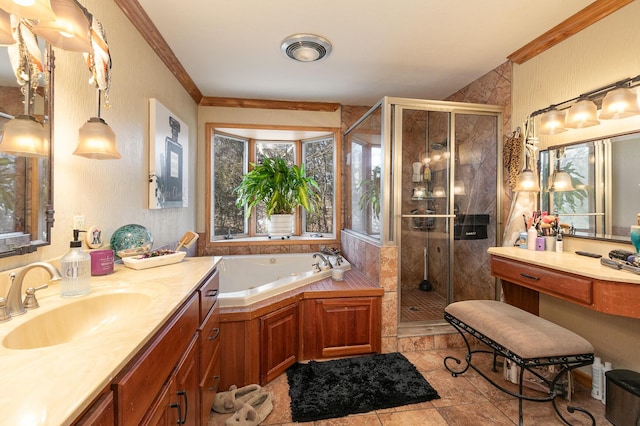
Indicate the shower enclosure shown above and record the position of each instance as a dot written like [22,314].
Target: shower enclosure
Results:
[423,176]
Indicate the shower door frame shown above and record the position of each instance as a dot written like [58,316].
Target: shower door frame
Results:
[392,110]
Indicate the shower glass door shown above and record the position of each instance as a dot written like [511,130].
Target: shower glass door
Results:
[424,139]
[448,182]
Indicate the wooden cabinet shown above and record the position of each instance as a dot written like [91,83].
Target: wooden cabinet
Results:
[100,413]
[522,282]
[209,335]
[278,341]
[341,326]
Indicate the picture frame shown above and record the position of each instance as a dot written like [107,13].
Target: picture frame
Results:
[168,158]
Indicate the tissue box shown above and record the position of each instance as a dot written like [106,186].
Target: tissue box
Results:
[623,397]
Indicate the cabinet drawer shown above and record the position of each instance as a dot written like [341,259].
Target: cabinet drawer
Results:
[139,383]
[209,335]
[209,293]
[209,386]
[564,285]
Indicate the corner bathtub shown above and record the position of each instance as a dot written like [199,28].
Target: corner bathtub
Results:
[249,279]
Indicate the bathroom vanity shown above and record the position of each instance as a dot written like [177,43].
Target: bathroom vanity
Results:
[141,348]
[577,279]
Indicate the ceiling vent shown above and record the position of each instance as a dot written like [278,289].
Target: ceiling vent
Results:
[306,47]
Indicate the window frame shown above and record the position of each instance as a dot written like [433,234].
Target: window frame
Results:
[317,133]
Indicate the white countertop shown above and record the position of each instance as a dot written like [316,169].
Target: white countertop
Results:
[567,262]
[53,385]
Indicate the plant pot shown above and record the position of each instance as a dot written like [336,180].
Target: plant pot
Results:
[280,225]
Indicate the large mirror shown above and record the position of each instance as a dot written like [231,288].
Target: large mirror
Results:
[604,197]
[26,204]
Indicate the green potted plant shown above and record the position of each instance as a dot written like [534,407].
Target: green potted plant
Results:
[282,188]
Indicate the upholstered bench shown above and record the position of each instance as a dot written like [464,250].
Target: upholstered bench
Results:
[526,339]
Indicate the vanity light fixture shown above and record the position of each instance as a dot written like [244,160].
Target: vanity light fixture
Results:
[552,122]
[618,100]
[69,29]
[439,191]
[619,103]
[28,9]
[306,47]
[23,136]
[583,113]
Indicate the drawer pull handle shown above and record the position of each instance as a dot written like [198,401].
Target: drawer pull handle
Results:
[182,420]
[214,388]
[531,277]
[212,293]
[216,332]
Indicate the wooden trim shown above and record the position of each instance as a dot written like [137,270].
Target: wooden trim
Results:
[139,18]
[570,26]
[269,104]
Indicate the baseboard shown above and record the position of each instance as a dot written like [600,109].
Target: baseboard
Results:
[583,378]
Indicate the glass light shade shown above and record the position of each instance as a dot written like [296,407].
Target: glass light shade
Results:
[24,136]
[552,122]
[560,182]
[619,103]
[458,187]
[31,9]
[96,140]
[582,114]
[439,191]
[69,30]
[527,181]
[6,36]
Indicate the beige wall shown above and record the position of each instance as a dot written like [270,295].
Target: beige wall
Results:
[604,53]
[113,193]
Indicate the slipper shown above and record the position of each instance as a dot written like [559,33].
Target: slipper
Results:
[253,412]
[233,399]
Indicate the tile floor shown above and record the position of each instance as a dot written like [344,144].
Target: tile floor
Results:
[418,305]
[464,400]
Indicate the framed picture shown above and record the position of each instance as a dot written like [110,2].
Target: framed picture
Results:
[168,155]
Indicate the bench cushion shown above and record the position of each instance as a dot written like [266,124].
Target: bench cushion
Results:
[521,332]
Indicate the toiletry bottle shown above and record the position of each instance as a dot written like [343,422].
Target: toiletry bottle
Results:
[426,173]
[559,245]
[76,270]
[607,367]
[596,378]
[532,234]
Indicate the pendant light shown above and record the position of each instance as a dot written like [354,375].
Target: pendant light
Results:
[28,9]
[560,181]
[527,180]
[68,30]
[582,114]
[23,136]
[96,139]
[619,103]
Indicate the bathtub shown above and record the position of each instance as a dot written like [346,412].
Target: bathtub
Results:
[249,279]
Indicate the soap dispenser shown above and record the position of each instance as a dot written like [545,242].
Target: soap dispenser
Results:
[76,270]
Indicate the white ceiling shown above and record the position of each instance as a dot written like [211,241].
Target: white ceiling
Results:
[407,48]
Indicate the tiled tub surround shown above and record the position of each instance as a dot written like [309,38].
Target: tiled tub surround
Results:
[53,385]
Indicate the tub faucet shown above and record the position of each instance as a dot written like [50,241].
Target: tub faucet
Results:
[326,261]
[14,297]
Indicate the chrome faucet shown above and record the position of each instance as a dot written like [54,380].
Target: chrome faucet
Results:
[326,261]
[14,297]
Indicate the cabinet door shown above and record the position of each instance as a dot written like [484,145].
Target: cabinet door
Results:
[345,326]
[279,342]
[161,412]
[186,388]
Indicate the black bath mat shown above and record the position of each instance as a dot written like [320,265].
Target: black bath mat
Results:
[328,389]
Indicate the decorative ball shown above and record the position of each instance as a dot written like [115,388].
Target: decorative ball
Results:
[131,240]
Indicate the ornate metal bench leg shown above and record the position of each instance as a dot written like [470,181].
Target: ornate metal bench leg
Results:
[455,372]
[570,409]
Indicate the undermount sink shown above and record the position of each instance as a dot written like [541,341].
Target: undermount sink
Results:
[87,316]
